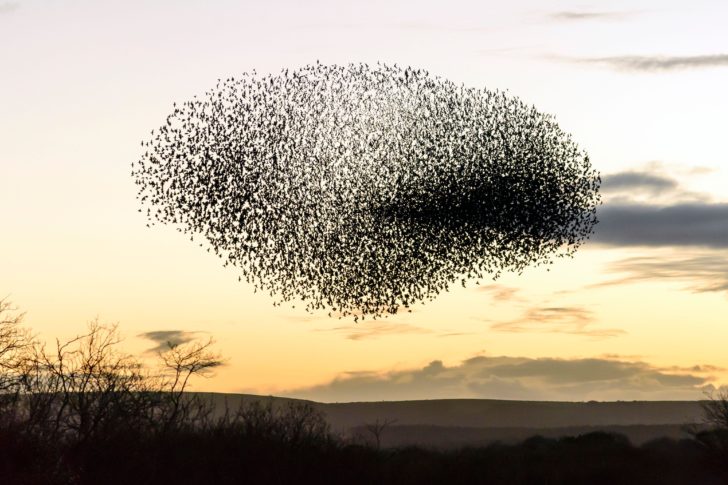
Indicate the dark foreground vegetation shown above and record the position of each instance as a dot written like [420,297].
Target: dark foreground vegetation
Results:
[281,448]
[84,413]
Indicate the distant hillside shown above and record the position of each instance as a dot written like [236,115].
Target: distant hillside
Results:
[457,422]
[508,414]
[445,437]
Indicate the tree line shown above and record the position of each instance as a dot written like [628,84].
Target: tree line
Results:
[82,411]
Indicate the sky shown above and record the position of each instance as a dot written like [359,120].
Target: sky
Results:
[640,312]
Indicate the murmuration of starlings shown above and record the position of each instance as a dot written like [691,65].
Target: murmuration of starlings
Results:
[365,189]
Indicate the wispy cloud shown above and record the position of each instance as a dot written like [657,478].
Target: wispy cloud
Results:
[707,272]
[500,292]
[164,338]
[584,15]
[698,369]
[568,320]
[8,7]
[656,63]
[454,334]
[368,330]
[517,378]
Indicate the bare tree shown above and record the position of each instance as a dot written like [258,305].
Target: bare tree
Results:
[713,435]
[86,386]
[302,423]
[180,362]
[295,422]
[83,386]
[377,428]
[715,410]
[14,341]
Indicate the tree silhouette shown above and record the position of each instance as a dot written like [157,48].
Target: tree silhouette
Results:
[714,436]
[13,340]
[180,362]
[377,428]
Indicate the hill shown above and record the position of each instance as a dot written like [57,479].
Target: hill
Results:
[460,422]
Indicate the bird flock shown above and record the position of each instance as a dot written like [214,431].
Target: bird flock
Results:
[365,189]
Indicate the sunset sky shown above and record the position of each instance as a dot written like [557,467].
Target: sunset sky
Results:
[641,311]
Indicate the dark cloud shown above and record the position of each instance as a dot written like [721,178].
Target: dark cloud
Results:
[657,63]
[652,183]
[637,180]
[517,378]
[705,272]
[367,330]
[674,216]
[8,7]
[164,338]
[571,15]
[570,320]
[684,224]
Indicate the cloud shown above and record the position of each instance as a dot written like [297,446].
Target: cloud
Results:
[698,369]
[500,292]
[683,224]
[656,63]
[638,180]
[367,330]
[165,338]
[648,207]
[652,184]
[681,219]
[706,272]
[569,320]
[454,334]
[516,378]
[8,7]
[573,15]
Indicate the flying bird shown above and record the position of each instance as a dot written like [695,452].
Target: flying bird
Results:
[367,189]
